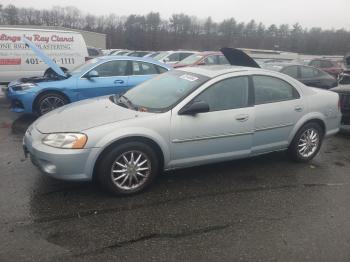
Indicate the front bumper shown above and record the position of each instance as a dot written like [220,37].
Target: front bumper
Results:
[65,164]
[21,101]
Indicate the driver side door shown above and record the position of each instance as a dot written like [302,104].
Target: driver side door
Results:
[112,78]
[223,133]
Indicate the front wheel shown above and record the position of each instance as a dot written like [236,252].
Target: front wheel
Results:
[306,143]
[128,168]
[49,102]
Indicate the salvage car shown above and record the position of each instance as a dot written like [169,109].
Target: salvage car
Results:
[97,77]
[308,75]
[185,117]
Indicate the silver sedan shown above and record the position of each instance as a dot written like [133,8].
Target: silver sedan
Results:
[182,118]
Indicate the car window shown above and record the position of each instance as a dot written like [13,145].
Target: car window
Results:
[142,68]
[184,55]
[315,63]
[222,60]
[326,64]
[112,68]
[271,89]
[210,60]
[309,72]
[291,71]
[161,69]
[174,57]
[227,94]
[92,52]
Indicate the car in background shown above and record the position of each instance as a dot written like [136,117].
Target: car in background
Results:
[120,52]
[97,77]
[308,75]
[152,54]
[186,117]
[331,67]
[173,57]
[16,60]
[139,53]
[343,89]
[94,52]
[203,58]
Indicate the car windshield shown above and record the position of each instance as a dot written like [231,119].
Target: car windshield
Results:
[163,92]
[84,67]
[161,55]
[191,59]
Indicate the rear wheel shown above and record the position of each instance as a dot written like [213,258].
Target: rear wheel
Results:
[128,168]
[306,143]
[49,102]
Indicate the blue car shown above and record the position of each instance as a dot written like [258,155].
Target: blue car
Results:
[97,77]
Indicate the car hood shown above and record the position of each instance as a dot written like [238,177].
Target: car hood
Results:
[84,115]
[237,57]
[44,57]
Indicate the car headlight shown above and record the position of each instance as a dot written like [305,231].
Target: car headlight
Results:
[23,86]
[66,140]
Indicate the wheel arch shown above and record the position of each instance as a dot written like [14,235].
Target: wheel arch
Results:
[153,144]
[48,91]
[311,119]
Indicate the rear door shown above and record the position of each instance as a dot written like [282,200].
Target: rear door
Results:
[278,106]
[112,78]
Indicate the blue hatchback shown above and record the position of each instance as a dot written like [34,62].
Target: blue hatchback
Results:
[97,77]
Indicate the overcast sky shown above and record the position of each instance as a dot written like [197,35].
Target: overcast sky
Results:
[321,13]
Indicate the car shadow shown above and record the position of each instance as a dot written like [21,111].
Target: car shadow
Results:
[20,125]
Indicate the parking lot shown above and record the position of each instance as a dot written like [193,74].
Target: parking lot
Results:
[260,209]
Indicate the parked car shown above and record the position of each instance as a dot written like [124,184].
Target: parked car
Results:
[331,67]
[203,58]
[66,48]
[343,89]
[120,52]
[173,57]
[97,77]
[308,75]
[152,54]
[185,117]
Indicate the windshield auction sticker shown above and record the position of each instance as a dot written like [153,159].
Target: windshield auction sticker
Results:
[189,78]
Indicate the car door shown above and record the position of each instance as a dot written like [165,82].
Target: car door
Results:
[278,106]
[225,132]
[141,71]
[110,77]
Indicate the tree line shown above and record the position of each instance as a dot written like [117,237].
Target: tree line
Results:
[181,31]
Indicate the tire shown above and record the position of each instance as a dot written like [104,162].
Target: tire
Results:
[120,178]
[48,102]
[306,143]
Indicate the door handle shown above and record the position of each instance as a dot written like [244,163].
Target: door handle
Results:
[119,82]
[242,118]
[298,108]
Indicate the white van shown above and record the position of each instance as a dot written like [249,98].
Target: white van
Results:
[17,60]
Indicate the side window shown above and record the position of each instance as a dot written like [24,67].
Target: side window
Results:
[270,89]
[291,71]
[316,63]
[227,94]
[184,55]
[161,70]
[326,64]
[210,60]
[142,68]
[223,60]
[112,68]
[308,72]
[174,57]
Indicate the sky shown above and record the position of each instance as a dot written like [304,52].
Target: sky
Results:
[309,13]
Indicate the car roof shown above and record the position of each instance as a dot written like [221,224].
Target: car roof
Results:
[215,70]
[132,58]
[206,53]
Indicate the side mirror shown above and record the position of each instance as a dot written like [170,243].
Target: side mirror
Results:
[92,74]
[194,108]
[165,60]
